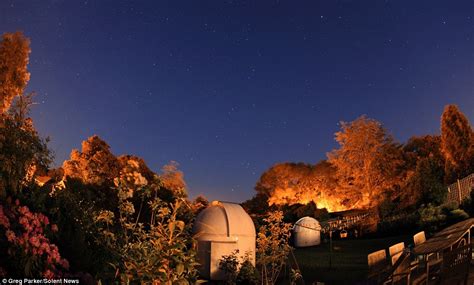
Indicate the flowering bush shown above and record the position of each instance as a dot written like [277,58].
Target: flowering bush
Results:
[157,251]
[23,235]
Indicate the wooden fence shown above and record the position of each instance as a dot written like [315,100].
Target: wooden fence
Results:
[460,190]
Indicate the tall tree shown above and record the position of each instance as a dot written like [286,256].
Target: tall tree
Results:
[14,56]
[368,161]
[425,164]
[456,143]
[22,151]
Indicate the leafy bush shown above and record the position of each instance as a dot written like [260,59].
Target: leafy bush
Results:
[238,272]
[229,264]
[160,251]
[272,247]
[247,274]
[435,218]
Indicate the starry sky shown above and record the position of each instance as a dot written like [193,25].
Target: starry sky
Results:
[229,88]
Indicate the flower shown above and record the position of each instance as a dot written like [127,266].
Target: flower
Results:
[48,274]
[34,241]
[10,235]
[54,227]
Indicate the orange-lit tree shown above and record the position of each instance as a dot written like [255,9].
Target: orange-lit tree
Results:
[457,143]
[368,161]
[14,75]
[300,183]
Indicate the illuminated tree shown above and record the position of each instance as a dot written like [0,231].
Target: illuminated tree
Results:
[293,183]
[22,151]
[173,179]
[367,161]
[456,143]
[95,164]
[14,56]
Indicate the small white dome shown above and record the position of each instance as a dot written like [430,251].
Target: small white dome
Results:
[307,232]
[307,223]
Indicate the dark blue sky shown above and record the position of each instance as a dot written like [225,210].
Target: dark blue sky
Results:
[228,88]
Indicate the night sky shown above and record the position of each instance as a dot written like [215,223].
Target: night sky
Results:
[228,88]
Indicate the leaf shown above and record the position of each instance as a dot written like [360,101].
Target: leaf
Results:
[180,225]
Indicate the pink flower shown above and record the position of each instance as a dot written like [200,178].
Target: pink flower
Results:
[34,241]
[48,274]
[24,222]
[10,235]
[23,210]
[54,227]
[44,246]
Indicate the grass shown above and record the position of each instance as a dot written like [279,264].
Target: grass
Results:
[349,259]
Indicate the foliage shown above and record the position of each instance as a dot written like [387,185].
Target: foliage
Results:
[272,247]
[422,147]
[22,151]
[173,179]
[425,165]
[457,144]
[30,252]
[73,208]
[300,183]
[199,203]
[229,264]
[247,274]
[160,251]
[238,272]
[14,57]
[368,161]
[258,204]
[434,218]
[295,275]
[95,164]
[425,185]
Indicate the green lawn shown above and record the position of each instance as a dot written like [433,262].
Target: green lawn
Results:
[349,259]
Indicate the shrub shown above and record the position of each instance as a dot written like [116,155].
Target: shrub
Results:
[160,251]
[272,247]
[247,274]
[238,272]
[24,239]
[229,265]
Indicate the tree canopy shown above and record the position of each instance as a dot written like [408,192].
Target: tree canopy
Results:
[367,160]
[14,75]
[457,143]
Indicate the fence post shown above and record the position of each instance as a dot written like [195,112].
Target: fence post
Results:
[459,192]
